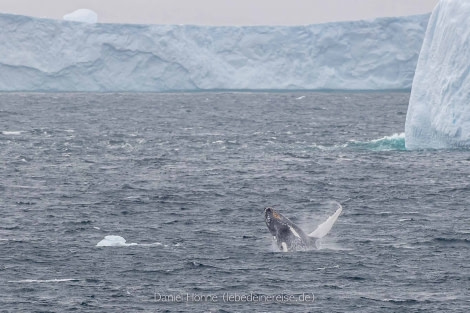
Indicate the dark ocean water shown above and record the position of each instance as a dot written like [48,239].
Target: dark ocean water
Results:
[184,178]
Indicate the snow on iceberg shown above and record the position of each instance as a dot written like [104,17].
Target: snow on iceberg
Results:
[50,55]
[82,15]
[439,110]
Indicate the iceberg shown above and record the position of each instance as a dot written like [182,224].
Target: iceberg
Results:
[67,56]
[438,114]
[82,15]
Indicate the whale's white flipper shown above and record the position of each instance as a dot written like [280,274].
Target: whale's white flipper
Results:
[325,227]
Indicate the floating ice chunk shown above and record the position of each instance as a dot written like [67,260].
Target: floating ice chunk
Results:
[118,241]
[439,110]
[114,241]
[82,15]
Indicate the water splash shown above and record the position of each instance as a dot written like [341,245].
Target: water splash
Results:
[395,142]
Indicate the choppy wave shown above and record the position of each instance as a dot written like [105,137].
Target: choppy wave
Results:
[415,297]
[403,237]
[395,142]
[452,241]
[387,143]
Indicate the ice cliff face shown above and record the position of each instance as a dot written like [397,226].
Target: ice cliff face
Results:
[50,55]
[439,110]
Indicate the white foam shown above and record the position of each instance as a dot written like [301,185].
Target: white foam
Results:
[284,247]
[11,132]
[26,281]
[327,267]
[405,220]
[153,244]
[330,245]
[397,136]
[328,148]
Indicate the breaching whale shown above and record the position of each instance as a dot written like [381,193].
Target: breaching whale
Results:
[290,237]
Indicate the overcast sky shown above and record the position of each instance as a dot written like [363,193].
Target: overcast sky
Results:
[221,12]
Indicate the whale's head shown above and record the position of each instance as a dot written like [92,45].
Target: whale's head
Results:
[289,236]
[274,220]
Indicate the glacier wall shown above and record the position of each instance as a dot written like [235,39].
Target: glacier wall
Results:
[52,55]
[438,114]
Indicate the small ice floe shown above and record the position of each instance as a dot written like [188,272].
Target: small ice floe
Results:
[114,241]
[118,241]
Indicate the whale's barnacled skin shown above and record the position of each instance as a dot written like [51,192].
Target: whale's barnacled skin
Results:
[289,236]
